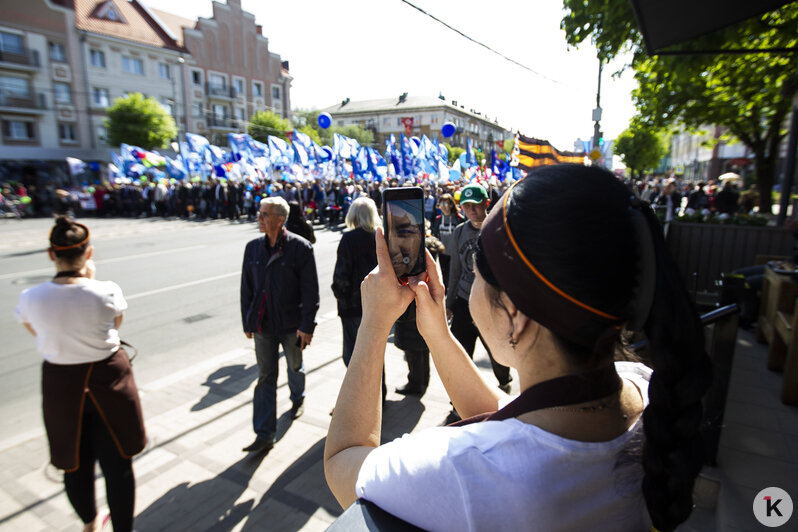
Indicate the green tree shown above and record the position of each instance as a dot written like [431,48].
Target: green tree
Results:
[364,136]
[748,95]
[454,152]
[640,148]
[265,123]
[139,121]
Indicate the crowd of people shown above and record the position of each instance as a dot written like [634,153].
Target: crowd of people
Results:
[676,197]
[549,280]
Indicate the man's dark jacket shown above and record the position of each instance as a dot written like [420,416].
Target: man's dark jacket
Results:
[279,286]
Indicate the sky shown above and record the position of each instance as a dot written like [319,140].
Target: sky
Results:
[371,49]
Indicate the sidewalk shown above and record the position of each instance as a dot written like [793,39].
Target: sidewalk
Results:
[193,475]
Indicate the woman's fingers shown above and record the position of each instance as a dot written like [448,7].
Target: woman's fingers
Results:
[433,276]
[383,257]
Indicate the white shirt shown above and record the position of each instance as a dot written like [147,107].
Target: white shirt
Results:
[510,475]
[74,323]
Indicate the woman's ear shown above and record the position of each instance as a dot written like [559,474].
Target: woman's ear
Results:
[89,252]
[51,254]
[520,322]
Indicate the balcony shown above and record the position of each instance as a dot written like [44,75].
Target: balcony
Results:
[219,92]
[22,59]
[215,122]
[29,104]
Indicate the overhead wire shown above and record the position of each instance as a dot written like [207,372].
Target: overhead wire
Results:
[483,45]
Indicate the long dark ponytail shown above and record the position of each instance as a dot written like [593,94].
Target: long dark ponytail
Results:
[587,233]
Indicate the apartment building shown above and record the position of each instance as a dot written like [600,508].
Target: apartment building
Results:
[419,115]
[40,118]
[64,62]
[230,71]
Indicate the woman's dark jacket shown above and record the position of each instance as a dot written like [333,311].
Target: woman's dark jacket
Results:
[279,286]
[405,331]
[357,256]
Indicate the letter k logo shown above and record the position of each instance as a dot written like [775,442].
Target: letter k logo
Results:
[772,506]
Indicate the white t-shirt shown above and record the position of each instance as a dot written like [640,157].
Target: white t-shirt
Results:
[510,475]
[74,323]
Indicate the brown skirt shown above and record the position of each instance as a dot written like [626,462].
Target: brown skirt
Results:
[109,384]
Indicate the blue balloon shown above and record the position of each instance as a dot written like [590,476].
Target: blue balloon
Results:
[448,129]
[325,120]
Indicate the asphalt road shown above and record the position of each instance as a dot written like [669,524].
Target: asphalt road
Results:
[180,278]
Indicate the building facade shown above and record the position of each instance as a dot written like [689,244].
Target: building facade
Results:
[64,62]
[40,114]
[230,71]
[419,115]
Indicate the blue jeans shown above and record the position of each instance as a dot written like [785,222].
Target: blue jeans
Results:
[264,403]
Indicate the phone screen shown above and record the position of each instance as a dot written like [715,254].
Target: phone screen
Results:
[405,232]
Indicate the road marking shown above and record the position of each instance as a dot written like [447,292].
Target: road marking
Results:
[27,273]
[182,285]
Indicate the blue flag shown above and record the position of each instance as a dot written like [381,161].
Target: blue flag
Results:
[471,159]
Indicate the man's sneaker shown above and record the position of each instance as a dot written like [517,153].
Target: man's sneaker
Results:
[453,417]
[297,410]
[506,387]
[259,446]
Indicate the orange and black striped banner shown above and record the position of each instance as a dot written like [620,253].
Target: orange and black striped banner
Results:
[536,152]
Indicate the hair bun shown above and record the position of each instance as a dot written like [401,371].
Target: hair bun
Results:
[63,222]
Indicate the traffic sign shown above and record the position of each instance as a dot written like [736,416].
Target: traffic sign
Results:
[595,154]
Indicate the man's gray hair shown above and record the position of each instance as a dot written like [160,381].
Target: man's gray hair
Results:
[279,204]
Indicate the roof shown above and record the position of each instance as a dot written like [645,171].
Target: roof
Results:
[411,103]
[174,23]
[136,26]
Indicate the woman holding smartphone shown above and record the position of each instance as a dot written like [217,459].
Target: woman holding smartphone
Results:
[591,443]
[90,400]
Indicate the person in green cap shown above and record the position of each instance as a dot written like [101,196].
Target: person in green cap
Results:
[474,203]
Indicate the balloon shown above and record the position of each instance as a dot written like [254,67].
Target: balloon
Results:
[325,120]
[448,129]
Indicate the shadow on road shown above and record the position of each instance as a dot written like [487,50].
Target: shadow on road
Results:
[225,383]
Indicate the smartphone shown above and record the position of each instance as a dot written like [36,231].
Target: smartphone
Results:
[405,232]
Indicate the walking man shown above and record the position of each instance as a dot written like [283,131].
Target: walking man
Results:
[474,201]
[279,301]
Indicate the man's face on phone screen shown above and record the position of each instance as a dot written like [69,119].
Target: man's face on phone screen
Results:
[405,237]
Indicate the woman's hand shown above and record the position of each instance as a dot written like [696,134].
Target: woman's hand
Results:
[383,298]
[430,301]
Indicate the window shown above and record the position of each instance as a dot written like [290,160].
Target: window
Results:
[18,130]
[196,110]
[97,58]
[238,84]
[196,77]
[167,104]
[217,81]
[276,92]
[219,111]
[101,97]
[11,43]
[241,114]
[102,133]
[66,132]
[257,89]
[14,86]
[62,92]
[163,71]
[57,52]
[132,65]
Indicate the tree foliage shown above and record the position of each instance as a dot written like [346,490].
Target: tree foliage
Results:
[454,152]
[265,123]
[640,148]
[744,94]
[139,121]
